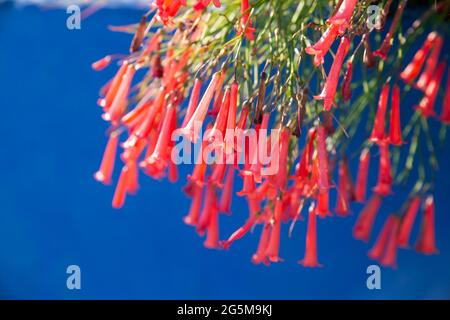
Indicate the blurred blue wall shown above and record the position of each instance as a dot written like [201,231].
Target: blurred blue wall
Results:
[53,214]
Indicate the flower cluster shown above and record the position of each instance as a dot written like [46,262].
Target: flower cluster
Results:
[240,68]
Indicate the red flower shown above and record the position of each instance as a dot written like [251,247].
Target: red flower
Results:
[445,115]
[227,193]
[158,161]
[346,83]
[239,233]
[281,177]
[323,175]
[202,4]
[260,255]
[407,222]
[208,210]
[310,259]
[395,128]
[384,184]
[199,114]
[426,243]
[105,172]
[221,120]
[426,105]
[361,179]
[323,204]
[412,70]
[194,212]
[432,62]
[378,126]
[212,236]
[102,63]
[363,226]
[387,42]
[329,90]
[344,189]
[167,9]
[121,189]
[245,23]
[385,248]
[193,101]
[273,246]
[343,15]
[321,47]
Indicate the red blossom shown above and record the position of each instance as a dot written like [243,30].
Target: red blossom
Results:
[426,243]
[407,221]
[378,134]
[395,128]
[329,90]
[310,259]
[363,226]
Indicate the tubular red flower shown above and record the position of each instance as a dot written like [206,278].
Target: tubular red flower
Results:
[200,113]
[158,161]
[432,62]
[387,42]
[105,172]
[426,243]
[114,87]
[310,259]
[167,9]
[346,83]
[343,15]
[245,23]
[412,70]
[323,174]
[323,204]
[363,225]
[209,207]
[281,177]
[445,115]
[221,120]
[363,172]
[384,183]
[102,63]
[119,104]
[385,248]
[407,222]
[395,128]
[121,189]
[368,57]
[239,233]
[193,101]
[343,194]
[426,105]
[227,192]
[212,236]
[273,247]
[329,90]
[194,212]
[260,255]
[321,47]
[378,134]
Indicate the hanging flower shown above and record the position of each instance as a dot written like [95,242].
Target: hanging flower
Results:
[395,128]
[345,88]
[363,226]
[426,105]
[412,70]
[378,134]
[385,247]
[329,90]
[407,221]
[105,172]
[426,243]
[432,62]
[384,183]
[310,259]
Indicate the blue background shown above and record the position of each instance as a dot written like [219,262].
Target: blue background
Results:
[53,214]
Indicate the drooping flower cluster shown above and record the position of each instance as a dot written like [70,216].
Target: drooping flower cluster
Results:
[231,82]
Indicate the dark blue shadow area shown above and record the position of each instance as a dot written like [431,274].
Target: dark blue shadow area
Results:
[53,214]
